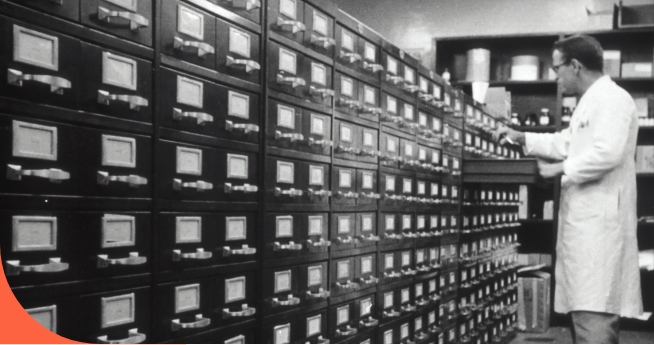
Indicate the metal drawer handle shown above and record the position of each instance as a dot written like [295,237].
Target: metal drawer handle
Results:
[319,244]
[248,5]
[350,57]
[370,195]
[348,331]
[409,234]
[324,42]
[292,246]
[199,185]
[394,79]
[425,97]
[322,142]
[321,294]
[423,268]
[132,260]
[15,172]
[290,300]
[422,302]
[135,102]
[409,272]
[134,337]
[54,265]
[369,238]
[199,254]
[293,81]
[134,181]
[247,128]
[178,114]
[407,341]
[324,93]
[408,308]
[245,312]
[421,336]
[391,314]
[200,322]
[437,103]
[393,274]
[347,285]
[245,250]
[348,195]
[435,297]
[370,322]
[369,281]
[57,84]
[290,25]
[372,67]
[346,240]
[434,329]
[370,110]
[318,193]
[321,340]
[352,104]
[201,47]
[411,88]
[293,193]
[371,153]
[393,236]
[248,65]
[292,137]
[136,21]
[245,188]
[350,150]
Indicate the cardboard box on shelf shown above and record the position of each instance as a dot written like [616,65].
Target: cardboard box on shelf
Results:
[636,70]
[612,63]
[534,301]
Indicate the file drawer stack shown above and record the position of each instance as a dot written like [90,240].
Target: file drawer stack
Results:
[76,109]
[208,171]
[487,298]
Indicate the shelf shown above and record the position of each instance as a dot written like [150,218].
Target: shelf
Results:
[535,129]
[510,83]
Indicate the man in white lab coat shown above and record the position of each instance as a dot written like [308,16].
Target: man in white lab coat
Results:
[597,275]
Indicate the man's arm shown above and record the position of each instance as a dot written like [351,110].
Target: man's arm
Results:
[547,146]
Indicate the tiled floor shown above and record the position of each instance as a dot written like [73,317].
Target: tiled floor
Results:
[562,335]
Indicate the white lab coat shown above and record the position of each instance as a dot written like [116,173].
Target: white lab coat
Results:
[597,251]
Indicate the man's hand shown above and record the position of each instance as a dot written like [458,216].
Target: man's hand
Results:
[505,134]
[550,170]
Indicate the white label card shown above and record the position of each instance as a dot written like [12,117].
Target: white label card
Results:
[366,222]
[189,161]
[388,337]
[391,144]
[190,22]
[345,178]
[117,310]
[119,71]
[46,316]
[407,185]
[36,48]
[391,104]
[236,228]
[405,296]
[368,138]
[347,41]
[369,95]
[239,42]
[365,307]
[404,331]
[370,52]
[285,172]
[34,233]
[318,124]
[237,166]
[235,289]
[408,111]
[285,116]
[288,8]
[343,269]
[315,275]
[342,315]
[406,222]
[366,265]
[391,65]
[390,183]
[238,105]
[315,225]
[390,222]
[188,229]
[344,225]
[34,141]
[283,281]
[314,325]
[367,180]
[284,226]
[320,23]
[287,60]
[117,231]
[316,175]
[190,92]
[389,261]
[318,74]
[347,87]
[282,334]
[346,133]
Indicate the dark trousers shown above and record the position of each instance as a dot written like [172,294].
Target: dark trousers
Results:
[591,327]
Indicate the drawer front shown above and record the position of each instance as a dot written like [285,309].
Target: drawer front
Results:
[390,267]
[197,106]
[408,190]
[366,231]
[342,276]
[320,88]
[345,186]
[369,100]
[41,66]
[390,229]
[421,260]
[297,182]
[130,19]
[409,153]
[365,313]
[296,234]
[369,145]
[389,334]
[202,173]
[184,308]
[286,17]
[343,231]
[111,316]
[248,9]
[389,150]
[188,34]
[319,34]
[408,225]
[406,263]
[37,162]
[406,299]
[283,332]
[281,290]
[347,48]
[371,58]
[65,9]
[312,328]
[347,94]
[342,321]
[286,69]
[317,130]
[347,140]
[293,128]
[422,192]
[116,85]
[314,282]
[365,269]
[236,298]
[43,247]
[237,52]
[367,187]
[391,189]
[387,307]
[193,240]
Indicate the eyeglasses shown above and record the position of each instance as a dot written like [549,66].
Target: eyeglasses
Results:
[556,67]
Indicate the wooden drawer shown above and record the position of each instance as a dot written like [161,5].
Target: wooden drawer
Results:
[129,19]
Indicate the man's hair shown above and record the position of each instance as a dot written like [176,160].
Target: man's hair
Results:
[584,49]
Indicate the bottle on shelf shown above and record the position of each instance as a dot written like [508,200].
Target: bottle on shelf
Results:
[544,119]
[446,76]
[565,116]
[528,120]
[515,120]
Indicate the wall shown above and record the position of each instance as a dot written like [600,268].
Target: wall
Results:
[412,24]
